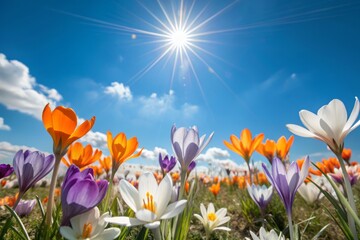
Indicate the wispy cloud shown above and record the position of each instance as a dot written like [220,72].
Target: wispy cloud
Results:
[155,106]
[19,90]
[3,126]
[119,90]
[8,150]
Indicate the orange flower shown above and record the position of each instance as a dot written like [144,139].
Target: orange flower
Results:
[61,124]
[97,169]
[106,163]
[317,172]
[346,154]
[262,178]
[215,189]
[246,145]
[3,182]
[187,187]
[268,149]
[242,182]
[8,200]
[121,149]
[80,156]
[283,147]
[331,164]
[216,179]
[175,176]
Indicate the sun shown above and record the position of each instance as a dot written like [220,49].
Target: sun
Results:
[179,39]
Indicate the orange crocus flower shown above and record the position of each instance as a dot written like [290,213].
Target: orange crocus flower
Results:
[121,149]
[267,149]
[262,178]
[245,145]
[283,147]
[106,164]
[215,189]
[80,156]
[216,179]
[241,182]
[61,124]
[175,176]
[346,154]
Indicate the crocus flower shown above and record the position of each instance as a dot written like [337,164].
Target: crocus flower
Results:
[213,220]
[150,202]
[80,192]
[352,173]
[264,235]
[245,145]
[5,170]
[121,149]
[280,149]
[166,163]
[30,167]
[285,182]
[329,125]
[25,207]
[106,164]
[215,189]
[61,124]
[81,156]
[191,167]
[187,144]
[261,195]
[346,154]
[310,193]
[90,226]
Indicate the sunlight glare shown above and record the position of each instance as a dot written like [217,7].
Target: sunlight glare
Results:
[179,39]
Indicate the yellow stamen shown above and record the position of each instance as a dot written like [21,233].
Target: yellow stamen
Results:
[212,216]
[87,229]
[149,203]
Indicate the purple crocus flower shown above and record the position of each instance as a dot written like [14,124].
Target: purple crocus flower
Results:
[261,195]
[80,192]
[192,165]
[30,167]
[5,170]
[285,182]
[187,144]
[167,164]
[25,207]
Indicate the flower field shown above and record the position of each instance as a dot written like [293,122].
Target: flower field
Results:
[280,199]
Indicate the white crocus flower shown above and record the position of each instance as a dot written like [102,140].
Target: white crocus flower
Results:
[150,203]
[264,235]
[89,225]
[329,125]
[213,220]
[261,195]
[310,193]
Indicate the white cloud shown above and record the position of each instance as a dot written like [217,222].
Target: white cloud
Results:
[19,90]
[153,154]
[154,106]
[119,90]
[3,126]
[7,151]
[95,139]
[213,154]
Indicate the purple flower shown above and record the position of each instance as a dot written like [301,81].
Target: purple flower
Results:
[80,192]
[285,182]
[25,207]
[192,165]
[167,164]
[187,144]
[261,195]
[30,167]
[5,170]
[352,172]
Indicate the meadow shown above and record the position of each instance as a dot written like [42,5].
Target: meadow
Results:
[279,199]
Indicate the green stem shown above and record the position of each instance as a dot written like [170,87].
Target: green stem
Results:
[291,228]
[109,193]
[251,181]
[349,194]
[183,183]
[156,233]
[50,203]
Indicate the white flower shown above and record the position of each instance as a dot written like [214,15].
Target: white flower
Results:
[264,235]
[150,203]
[213,220]
[330,125]
[89,225]
[310,193]
[261,195]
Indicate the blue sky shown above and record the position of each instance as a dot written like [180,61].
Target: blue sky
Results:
[256,65]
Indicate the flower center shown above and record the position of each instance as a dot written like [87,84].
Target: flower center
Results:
[148,203]
[212,216]
[87,229]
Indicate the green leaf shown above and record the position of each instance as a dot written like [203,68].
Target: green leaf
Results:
[18,220]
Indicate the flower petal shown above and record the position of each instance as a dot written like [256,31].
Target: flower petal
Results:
[174,209]
[125,221]
[130,195]
[152,225]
